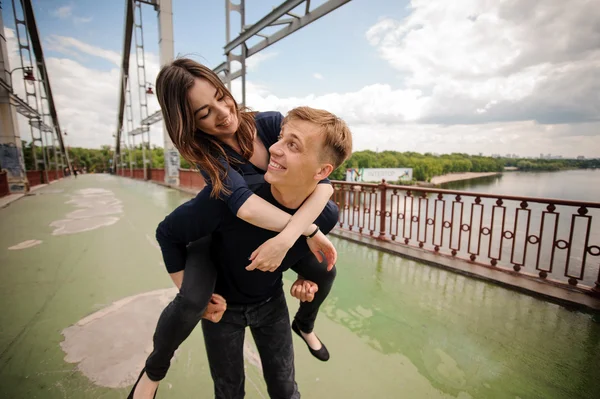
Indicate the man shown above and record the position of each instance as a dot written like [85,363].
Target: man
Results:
[312,144]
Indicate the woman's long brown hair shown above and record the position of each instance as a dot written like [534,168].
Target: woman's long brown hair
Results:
[198,148]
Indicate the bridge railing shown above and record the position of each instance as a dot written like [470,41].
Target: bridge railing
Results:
[4,190]
[557,241]
[191,179]
[188,178]
[35,177]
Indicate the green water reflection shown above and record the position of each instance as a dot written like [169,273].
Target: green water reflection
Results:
[465,335]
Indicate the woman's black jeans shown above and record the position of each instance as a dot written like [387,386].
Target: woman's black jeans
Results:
[181,316]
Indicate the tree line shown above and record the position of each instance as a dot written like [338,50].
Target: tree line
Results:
[100,160]
[428,165]
[425,166]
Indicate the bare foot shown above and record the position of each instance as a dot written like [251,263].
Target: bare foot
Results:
[312,340]
[145,388]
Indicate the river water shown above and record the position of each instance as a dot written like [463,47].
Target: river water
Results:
[577,185]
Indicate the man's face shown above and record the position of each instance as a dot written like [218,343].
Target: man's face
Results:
[295,158]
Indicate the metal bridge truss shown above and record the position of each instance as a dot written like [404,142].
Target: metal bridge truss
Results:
[38,105]
[281,16]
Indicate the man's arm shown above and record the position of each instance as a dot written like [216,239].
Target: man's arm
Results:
[189,222]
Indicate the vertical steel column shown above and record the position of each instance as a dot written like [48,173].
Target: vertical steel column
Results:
[228,9]
[57,156]
[242,59]
[142,85]
[50,149]
[130,137]
[240,8]
[166,50]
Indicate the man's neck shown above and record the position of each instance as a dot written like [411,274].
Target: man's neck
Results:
[291,197]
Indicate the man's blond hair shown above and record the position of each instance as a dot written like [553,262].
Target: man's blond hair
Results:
[337,135]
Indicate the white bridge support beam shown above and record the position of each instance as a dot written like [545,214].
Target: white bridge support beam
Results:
[166,54]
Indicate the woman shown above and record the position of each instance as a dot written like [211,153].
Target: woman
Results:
[210,131]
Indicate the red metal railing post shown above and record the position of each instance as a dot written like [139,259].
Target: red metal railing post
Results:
[382,210]
[596,288]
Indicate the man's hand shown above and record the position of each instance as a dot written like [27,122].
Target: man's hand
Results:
[304,290]
[270,254]
[320,245]
[215,309]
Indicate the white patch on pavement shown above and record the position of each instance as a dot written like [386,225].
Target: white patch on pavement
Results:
[97,207]
[112,344]
[26,244]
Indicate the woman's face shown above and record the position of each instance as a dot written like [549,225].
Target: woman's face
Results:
[214,113]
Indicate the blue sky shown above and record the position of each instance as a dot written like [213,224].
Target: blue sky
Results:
[200,33]
[463,76]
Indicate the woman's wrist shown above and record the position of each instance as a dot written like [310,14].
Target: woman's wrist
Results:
[309,230]
[314,233]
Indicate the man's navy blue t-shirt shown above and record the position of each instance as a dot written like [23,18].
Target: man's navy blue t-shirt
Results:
[233,240]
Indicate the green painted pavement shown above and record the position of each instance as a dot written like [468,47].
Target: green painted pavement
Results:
[395,328]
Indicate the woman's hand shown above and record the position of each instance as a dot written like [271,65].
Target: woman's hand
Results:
[270,254]
[320,245]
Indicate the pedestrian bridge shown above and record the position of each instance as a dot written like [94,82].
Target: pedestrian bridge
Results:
[82,285]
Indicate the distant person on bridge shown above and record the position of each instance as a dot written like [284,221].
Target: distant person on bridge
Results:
[229,145]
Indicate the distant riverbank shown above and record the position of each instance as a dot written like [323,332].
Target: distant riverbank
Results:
[460,176]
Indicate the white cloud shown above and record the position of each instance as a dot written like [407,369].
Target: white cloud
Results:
[82,20]
[76,47]
[317,75]
[485,61]
[253,62]
[66,12]
[383,118]
[63,12]
[371,104]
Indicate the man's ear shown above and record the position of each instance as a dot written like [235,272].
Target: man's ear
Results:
[324,172]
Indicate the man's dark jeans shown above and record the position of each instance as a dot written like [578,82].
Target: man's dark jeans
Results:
[181,316]
[269,324]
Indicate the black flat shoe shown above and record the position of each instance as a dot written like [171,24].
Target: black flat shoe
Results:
[321,354]
[130,396]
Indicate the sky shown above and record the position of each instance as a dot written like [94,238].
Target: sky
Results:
[470,76]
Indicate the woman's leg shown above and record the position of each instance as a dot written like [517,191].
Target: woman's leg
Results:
[311,269]
[182,315]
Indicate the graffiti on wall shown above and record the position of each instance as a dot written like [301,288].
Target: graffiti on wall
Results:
[172,159]
[10,159]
